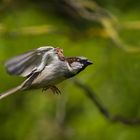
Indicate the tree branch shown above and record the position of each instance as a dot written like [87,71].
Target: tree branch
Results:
[91,11]
[103,110]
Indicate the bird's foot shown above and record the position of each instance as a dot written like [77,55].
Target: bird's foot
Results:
[55,90]
[44,89]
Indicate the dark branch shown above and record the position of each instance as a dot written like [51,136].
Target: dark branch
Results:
[93,97]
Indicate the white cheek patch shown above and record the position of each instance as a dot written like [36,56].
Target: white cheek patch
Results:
[76,66]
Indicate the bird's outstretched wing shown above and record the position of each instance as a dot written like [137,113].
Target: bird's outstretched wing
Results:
[25,64]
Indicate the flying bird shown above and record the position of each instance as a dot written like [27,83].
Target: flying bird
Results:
[43,67]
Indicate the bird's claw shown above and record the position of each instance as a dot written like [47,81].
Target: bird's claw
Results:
[44,89]
[54,89]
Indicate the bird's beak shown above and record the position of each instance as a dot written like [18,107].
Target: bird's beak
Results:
[89,62]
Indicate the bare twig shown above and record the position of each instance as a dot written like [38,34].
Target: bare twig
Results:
[91,11]
[93,97]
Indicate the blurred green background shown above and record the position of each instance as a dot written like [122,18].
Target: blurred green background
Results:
[105,31]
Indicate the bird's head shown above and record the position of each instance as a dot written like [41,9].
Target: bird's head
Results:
[78,64]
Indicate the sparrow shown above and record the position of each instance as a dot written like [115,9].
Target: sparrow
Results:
[44,68]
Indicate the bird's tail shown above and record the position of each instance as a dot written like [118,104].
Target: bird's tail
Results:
[11,91]
[23,86]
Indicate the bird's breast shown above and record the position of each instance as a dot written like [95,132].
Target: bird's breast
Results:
[51,75]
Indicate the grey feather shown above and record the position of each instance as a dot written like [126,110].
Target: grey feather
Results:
[24,64]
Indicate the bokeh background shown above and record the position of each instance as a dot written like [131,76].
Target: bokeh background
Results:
[105,31]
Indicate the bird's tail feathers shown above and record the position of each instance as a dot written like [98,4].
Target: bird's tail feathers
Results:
[11,91]
[23,86]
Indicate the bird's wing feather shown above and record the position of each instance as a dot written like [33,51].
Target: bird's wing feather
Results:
[24,64]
